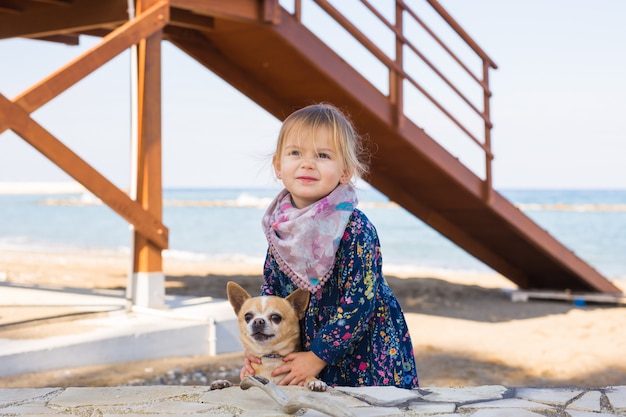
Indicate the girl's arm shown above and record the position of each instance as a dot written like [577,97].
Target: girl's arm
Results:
[299,367]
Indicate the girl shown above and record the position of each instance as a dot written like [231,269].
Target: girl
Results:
[354,332]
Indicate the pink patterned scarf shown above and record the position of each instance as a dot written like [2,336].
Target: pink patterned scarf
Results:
[305,241]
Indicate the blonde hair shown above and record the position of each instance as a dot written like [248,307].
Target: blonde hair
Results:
[302,124]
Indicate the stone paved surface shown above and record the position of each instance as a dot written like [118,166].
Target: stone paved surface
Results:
[482,401]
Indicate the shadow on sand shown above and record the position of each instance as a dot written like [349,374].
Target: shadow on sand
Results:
[430,296]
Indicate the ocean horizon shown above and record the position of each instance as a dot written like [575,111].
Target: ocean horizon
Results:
[224,224]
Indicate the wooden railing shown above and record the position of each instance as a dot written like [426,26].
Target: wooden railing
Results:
[400,73]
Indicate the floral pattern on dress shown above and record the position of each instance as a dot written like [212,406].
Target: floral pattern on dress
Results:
[354,322]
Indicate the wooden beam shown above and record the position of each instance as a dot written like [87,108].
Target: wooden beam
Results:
[112,45]
[398,193]
[56,2]
[263,11]
[64,39]
[18,120]
[119,40]
[544,241]
[579,299]
[147,256]
[11,9]
[47,20]
[189,20]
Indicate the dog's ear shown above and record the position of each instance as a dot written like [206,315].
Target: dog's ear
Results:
[236,295]
[299,299]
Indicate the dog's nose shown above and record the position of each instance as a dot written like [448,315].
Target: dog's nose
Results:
[258,324]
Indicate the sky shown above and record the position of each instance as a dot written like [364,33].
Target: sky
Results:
[559,104]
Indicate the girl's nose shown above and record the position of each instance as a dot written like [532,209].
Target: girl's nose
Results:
[307,162]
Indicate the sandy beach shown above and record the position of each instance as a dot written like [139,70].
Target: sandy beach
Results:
[465,329]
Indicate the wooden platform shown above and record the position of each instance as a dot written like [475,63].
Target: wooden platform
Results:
[577,298]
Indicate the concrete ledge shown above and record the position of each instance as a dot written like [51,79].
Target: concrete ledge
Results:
[103,332]
[482,401]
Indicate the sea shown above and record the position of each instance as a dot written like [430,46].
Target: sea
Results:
[225,225]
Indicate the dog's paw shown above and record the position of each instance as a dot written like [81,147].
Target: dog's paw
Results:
[316,385]
[220,384]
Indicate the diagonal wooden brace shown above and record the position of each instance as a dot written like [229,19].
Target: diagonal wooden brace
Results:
[15,115]
[122,38]
[18,120]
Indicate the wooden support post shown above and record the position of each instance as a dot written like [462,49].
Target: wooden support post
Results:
[396,78]
[148,279]
[488,191]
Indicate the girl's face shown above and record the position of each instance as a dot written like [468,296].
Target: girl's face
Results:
[311,168]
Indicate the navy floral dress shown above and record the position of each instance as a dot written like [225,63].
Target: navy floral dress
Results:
[354,322]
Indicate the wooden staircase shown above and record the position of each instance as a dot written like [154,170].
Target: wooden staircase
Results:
[264,50]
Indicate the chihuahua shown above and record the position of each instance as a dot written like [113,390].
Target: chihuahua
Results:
[269,329]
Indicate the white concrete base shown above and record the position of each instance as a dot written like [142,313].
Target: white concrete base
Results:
[148,289]
[186,326]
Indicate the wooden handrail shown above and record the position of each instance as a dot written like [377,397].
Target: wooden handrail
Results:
[445,48]
[459,30]
[397,66]
[405,41]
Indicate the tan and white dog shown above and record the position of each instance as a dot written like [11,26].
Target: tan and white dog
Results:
[269,328]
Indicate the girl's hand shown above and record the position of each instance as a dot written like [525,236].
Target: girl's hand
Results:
[247,369]
[298,367]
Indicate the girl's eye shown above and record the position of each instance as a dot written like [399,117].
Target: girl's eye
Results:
[323,155]
[294,153]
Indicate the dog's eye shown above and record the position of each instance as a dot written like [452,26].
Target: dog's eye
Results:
[276,318]
[248,317]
